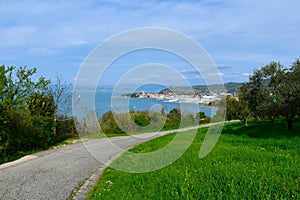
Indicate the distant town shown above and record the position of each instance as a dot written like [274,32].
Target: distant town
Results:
[198,95]
[171,97]
[197,99]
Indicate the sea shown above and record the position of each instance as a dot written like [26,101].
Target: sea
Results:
[107,99]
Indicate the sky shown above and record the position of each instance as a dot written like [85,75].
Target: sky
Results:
[239,35]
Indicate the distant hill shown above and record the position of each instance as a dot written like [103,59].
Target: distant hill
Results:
[230,87]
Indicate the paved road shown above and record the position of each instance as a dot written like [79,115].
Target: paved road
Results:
[55,173]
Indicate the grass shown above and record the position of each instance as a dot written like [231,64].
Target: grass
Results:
[255,162]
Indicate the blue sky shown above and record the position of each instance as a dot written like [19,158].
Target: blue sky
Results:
[239,35]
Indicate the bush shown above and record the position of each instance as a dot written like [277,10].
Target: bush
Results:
[22,132]
[141,118]
[65,127]
[108,123]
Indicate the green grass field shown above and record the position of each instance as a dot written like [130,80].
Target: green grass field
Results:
[255,162]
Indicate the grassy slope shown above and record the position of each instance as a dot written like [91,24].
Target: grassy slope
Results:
[238,167]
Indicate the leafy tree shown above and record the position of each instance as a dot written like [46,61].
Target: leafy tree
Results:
[273,75]
[231,108]
[296,83]
[262,90]
[108,123]
[16,85]
[173,119]
[200,116]
[243,112]
[255,94]
[41,104]
[141,118]
[274,91]
[26,114]
[289,93]
[235,109]
[281,91]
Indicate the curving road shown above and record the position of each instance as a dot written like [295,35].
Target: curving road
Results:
[55,173]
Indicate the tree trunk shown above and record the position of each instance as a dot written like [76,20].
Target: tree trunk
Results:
[258,120]
[245,122]
[273,120]
[290,124]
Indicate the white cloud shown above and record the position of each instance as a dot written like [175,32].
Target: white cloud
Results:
[236,74]
[42,51]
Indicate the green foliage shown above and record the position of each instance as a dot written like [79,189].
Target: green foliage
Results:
[289,93]
[21,132]
[173,119]
[202,118]
[237,108]
[26,113]
[108,123]
[132,122]
[16,84]
[273,91]
[142,121]
[201,115]
[41,104]
[238,167]
[65,127]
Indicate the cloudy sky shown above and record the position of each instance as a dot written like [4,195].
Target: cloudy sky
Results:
[239,35]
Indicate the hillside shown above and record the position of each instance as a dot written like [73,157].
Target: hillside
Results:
[230,87]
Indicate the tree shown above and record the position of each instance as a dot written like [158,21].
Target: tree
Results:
[274,91]
[108,123]
[296,80]
[231,108]
[273,75]
[41,108]
[62,95]
[41,104]
[16,85]
[26,119]
[222,108]
[289,93]
[243,112]
[60,91]
[262,91]
[254,94]
[235,109]
[202,118]
[173,119]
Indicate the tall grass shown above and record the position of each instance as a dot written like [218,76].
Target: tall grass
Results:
[254,162]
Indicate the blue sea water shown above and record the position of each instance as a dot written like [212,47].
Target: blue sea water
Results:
[106,100]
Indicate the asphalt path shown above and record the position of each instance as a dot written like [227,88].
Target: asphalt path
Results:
[56,173]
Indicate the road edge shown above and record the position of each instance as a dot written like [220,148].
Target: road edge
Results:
[84,188]
[18,161]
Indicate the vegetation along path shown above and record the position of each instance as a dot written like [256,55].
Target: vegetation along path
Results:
[56,173]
